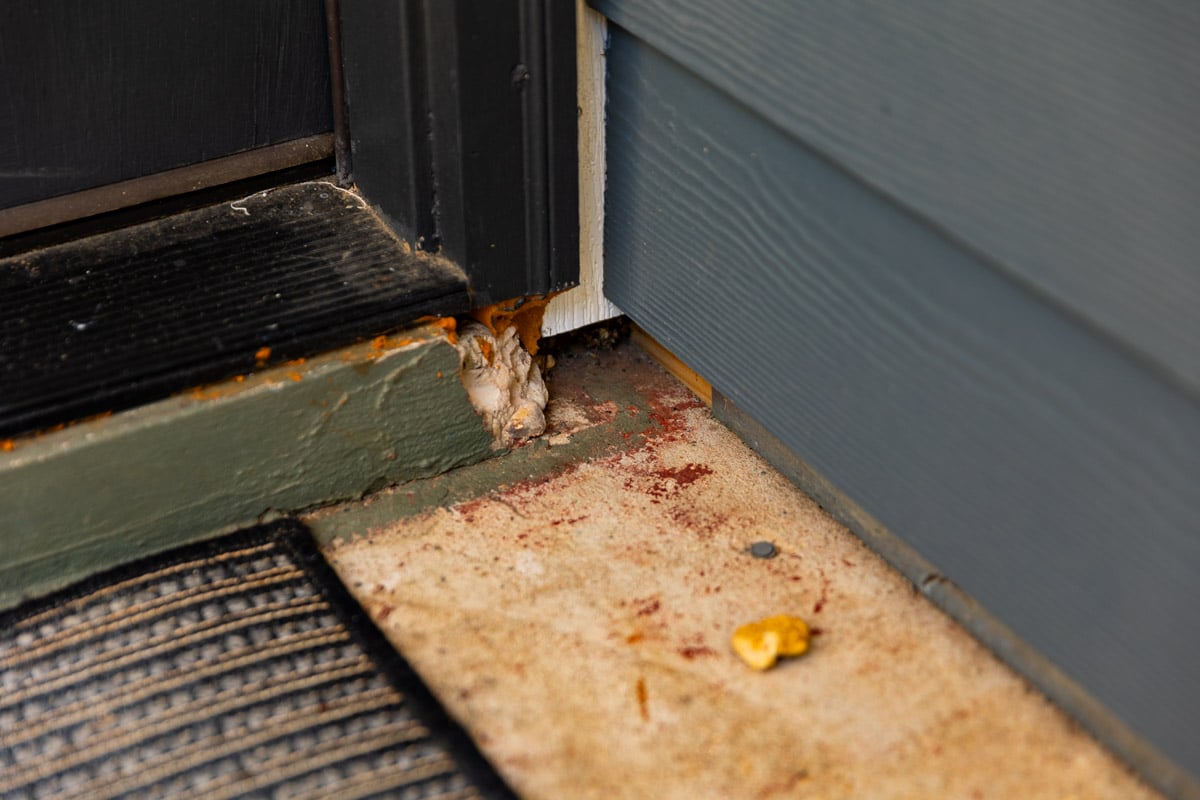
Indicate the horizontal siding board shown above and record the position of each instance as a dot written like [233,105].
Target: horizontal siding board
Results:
[1045,472]
[1056,139]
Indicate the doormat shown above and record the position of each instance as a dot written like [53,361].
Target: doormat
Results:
[239,667]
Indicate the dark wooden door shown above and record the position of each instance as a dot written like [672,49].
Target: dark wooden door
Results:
[461,139]
[103,92]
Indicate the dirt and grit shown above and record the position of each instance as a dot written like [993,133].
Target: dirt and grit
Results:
[572,603]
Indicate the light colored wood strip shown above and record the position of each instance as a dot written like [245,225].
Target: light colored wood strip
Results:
[673,364]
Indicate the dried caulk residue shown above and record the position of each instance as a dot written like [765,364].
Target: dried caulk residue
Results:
[503,384]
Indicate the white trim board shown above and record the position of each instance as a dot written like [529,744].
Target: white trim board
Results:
[586,303]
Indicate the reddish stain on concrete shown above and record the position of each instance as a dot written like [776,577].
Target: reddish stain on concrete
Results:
[670,481]
[824,598]
[653,524]
[691,653]
[648,606]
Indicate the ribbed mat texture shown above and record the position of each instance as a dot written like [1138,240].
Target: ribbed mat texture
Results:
[237,668]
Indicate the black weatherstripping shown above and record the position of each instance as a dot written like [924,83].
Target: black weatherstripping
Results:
[463,121]
[126,317]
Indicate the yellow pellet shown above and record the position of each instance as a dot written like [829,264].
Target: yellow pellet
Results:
[760,644]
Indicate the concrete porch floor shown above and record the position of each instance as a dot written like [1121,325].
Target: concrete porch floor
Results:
[572,603]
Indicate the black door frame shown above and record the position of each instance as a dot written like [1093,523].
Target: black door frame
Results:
[462,130]
[464,135]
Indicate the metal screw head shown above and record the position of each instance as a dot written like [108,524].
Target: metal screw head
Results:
[763,550]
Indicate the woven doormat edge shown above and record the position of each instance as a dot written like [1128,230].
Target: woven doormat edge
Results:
[297,539]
